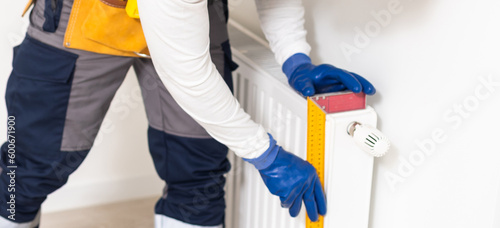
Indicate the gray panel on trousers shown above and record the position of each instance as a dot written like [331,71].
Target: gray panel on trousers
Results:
[96,79]
[161,109]
[56,38]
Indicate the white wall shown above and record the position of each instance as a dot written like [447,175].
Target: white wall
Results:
[119,166]
[431,60]
[427,61]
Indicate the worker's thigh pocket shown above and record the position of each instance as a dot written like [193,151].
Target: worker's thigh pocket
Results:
[37,94]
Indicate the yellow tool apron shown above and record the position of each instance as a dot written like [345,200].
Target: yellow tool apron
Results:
[103,26]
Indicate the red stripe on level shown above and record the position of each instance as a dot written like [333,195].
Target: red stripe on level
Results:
[340,102]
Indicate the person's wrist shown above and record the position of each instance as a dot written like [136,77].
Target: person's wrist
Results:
[266,158]
[293,62]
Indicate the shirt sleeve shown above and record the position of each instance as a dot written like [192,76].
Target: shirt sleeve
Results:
[282,22]
[177,33]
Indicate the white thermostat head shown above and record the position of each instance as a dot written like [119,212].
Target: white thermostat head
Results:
[369,139]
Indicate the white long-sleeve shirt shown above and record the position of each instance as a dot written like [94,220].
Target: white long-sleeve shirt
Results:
[177,32]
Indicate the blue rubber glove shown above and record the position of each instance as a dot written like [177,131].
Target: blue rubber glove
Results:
[309,79]
[292,179]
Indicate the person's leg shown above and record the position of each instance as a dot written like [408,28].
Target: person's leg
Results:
[191,162]
[57,99]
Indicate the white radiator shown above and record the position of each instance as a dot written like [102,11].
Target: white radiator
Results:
[263,92]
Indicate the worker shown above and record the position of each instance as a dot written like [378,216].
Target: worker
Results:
[75,56]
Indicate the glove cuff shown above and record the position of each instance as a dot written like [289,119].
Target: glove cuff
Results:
[268,157]
[293,62]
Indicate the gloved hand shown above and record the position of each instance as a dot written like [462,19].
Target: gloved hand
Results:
[292,179]
[309,79]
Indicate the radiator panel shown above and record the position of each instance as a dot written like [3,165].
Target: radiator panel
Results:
[348,171]
[284,117]
[264,93]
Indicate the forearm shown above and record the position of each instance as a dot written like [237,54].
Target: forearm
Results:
[177,32]
[283,24]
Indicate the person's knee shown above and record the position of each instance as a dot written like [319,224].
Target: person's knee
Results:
[193,169]
[195,203]
[32,181]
